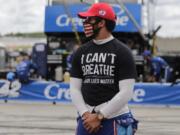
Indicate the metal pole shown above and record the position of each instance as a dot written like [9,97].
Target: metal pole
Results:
[73,23]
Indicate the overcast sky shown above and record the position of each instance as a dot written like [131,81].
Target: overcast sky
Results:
[28,16]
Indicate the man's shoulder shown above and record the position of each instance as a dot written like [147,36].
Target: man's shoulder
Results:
[81,50]
[87,44]
[120,46]
[84,46]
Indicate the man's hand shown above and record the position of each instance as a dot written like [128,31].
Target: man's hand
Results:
[85,115]
[91,122]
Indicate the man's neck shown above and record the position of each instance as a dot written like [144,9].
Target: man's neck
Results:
[103,41]
[103,35]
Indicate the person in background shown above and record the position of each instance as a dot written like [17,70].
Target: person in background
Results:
[25,68]
[70,57]
[160,71]
[103,75]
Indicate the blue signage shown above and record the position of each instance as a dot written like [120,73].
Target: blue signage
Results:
[35,91]
[156,93]
[59,18]
[144,93]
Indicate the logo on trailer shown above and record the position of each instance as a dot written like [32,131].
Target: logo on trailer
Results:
[139,95]
[61,93]
[64,21]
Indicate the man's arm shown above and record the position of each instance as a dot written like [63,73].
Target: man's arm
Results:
[120,99]
[76,95]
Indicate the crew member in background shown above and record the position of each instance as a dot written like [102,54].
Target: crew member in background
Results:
[70,57]
[103,75]
[160,71]
[25,68]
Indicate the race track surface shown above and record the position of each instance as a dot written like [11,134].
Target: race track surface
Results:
[17,118]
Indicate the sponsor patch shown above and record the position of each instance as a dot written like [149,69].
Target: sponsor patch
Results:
[102,12]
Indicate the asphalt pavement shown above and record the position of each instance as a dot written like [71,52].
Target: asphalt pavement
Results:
[26,118]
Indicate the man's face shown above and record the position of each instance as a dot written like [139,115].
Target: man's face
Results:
[90,20]
[91,26]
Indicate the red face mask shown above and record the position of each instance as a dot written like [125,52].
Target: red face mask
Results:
[90,27]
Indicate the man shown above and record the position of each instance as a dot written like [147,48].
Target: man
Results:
[102,77]
[160,71]
[23,69]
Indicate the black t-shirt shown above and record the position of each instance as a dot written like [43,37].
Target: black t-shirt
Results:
[101,67]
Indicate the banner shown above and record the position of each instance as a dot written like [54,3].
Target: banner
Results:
[156,93]
[144,93]
[35,91]
[59,18]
